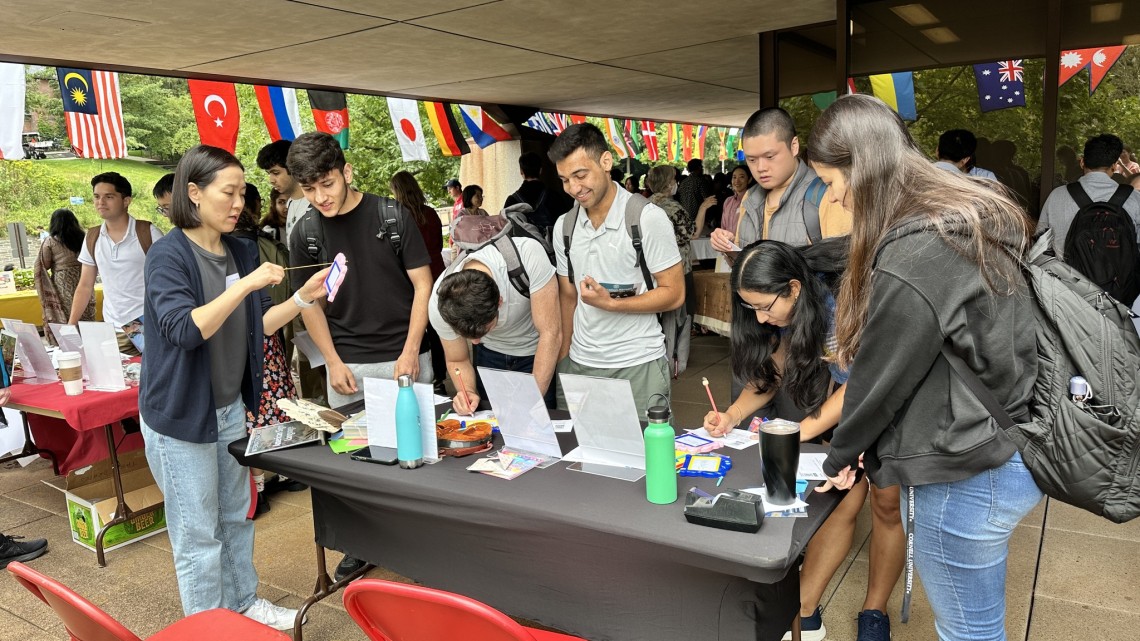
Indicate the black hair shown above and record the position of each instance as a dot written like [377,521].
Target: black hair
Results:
[956,144]
[65,226]
[469,302]
[165,185]
[768,267]
[530,164]
[616,174]
[695,166]
[199,165]
[469,193]
[275,154]
[1102,152]
[771,120]
[314,154]
[123,186]
[582,136]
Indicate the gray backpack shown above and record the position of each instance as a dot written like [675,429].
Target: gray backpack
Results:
[511,223]
[633,208]
[1081,451]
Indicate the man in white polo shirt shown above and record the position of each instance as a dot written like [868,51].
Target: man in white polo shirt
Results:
[118,255]
[603,335]
[509,330]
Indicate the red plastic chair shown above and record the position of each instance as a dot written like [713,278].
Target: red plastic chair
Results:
[388,611]
[86,622]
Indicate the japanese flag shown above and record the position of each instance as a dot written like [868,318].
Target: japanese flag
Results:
[409,130]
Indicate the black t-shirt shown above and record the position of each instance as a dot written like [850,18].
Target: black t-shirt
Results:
[369,317]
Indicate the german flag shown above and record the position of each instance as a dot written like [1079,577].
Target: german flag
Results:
[330,114]
[451,141]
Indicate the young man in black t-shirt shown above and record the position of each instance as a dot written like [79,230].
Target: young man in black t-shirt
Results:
[375,326]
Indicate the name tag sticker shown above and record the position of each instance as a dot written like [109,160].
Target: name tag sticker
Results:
[232,280]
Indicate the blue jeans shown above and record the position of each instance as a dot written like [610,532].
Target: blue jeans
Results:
[485,357]
[961,541]
[207,497]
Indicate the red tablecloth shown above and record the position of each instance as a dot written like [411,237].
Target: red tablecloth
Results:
[79,439]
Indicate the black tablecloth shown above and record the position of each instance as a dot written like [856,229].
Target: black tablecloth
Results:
[582,553]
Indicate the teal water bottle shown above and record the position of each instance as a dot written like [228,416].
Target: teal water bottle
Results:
[409,442]
[660,458]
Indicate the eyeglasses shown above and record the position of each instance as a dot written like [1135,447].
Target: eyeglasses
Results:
[162,211]
[760,309]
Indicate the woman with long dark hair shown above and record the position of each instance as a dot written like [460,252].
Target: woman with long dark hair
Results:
[57,269]
[206,311]
[935,261]
[408,193]
[783,345]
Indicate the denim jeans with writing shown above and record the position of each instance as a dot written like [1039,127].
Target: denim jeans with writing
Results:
[485,357]
[961,541]
[207,498]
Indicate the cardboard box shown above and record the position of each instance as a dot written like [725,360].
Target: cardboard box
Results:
[714,301]
[91,502]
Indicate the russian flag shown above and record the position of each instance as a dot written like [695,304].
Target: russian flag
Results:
[897,90]
[279,110]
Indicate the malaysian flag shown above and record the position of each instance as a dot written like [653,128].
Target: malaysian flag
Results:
[1001,85]
[94,112]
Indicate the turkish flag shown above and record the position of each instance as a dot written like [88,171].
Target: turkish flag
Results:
[216,111]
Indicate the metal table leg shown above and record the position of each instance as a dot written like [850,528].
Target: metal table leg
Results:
[325,587]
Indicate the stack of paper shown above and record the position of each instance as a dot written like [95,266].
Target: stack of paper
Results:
[356,427]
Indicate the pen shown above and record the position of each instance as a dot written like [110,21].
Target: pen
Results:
[463,384]
[705,382]
[719,481]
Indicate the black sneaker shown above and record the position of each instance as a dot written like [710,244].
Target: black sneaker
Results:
[262,505]
[282,484]
[13,550]
[347,566]
[874,626]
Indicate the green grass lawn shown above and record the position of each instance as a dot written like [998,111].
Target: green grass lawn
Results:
[76,174]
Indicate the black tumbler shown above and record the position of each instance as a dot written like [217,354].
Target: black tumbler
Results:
[779,459]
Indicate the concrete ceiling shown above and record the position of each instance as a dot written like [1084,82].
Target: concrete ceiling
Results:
[695,61]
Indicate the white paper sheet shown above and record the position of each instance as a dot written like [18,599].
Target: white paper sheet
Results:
[523,420]
[811,467]
[12,434]
[768,507]
[380,409]
[563,426]
[737,439]
[101,348]
[11,325]
[28,339]
[309,349]
[605,421]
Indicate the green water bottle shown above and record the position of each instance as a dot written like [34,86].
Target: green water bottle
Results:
[660,458]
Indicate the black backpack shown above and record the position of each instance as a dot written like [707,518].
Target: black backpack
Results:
[1101,243]
[393,223]
[515,225]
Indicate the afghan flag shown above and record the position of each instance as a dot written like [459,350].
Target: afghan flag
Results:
[446,129]
[330,114]
[649,137]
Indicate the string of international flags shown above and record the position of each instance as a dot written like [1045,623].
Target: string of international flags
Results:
[94,118]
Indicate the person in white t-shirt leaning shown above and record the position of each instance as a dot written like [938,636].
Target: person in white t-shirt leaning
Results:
[602,335]
[508,330]
[118,256]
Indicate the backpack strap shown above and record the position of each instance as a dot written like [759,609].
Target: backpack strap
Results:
[979,389]
[633,209]
[568,223]
[516,272]
[142,230]
[313,234]
[391,225]
[90,239]
[1120,196]
[813,197]
[1079,195]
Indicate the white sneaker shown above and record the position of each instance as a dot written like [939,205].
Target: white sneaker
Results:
[274,616]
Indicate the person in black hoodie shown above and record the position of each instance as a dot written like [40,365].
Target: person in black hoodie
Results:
[935,258]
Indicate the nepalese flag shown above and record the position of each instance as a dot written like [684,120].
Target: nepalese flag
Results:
[1098,60]
[649,136]
[482,127]
[94,112]
[279,111]
[330,114]
[1001,85]
[897,90]
[446,129]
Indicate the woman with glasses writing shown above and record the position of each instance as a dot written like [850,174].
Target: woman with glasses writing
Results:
[783,343]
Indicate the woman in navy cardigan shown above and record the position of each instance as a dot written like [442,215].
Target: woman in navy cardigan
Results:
[206,312]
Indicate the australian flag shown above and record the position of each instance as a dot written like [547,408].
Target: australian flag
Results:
[1001,84]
